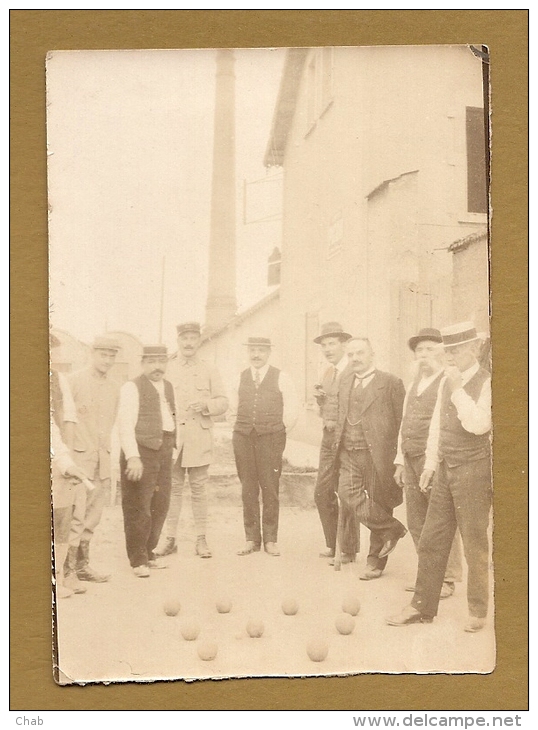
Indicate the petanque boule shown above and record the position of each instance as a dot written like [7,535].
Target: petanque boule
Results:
[351,605]
[290,606]
[224,605]
[171,607]
[317,650]
[207,651]
[190,630]
[255,628]
[345,623]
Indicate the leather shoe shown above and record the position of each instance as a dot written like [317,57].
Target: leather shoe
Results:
[156,565]
[141,571]
[447,590]
[89,574]
[250,547]
[410,588]
[272,549]
[371,574]
[474,624]
[168,548]
[201,548]
[327,553]
[408,616]
[344,559]
[390,544]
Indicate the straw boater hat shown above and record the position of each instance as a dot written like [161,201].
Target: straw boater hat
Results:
[106,343]
[258,342]
[154,351]
[459,334]
[189,327]
[332,329]
[426,333]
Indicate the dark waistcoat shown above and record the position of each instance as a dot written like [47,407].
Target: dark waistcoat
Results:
[329,408]
[149,427]
[418,416]
[456,445]
[260,409]
[354,436]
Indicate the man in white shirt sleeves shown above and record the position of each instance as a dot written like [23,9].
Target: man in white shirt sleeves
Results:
[267,409]
[458,452]
[419,404]
[147,433]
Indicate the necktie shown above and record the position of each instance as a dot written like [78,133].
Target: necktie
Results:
[257,378]
[335,375]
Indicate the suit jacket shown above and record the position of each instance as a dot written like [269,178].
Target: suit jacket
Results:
[96,400]
[382,414]
[193,381]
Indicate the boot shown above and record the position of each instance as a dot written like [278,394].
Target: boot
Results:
[60,556]
[70,579]
[201,547]
[84,571]
[168,548]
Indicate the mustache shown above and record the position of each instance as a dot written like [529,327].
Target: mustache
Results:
[157,371]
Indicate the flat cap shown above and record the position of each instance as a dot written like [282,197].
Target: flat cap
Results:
[106,343]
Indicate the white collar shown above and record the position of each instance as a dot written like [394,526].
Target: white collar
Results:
[427,379]
[261,371]
[466,375]
[342,365]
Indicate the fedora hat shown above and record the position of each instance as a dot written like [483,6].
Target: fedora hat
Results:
[459,334]
[155,351]
[332,329]
[106,343]
[258,342]
[426,333]
[189,327]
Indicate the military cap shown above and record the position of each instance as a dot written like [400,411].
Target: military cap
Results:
[189,327]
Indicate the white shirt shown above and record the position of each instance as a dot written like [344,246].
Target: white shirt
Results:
[289,396]
[474,417]
[364,379]
[69,408]
[422,384]
[128,416]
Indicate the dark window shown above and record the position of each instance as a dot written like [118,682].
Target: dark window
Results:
[477,199]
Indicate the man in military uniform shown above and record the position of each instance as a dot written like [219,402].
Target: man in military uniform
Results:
[199,397]
[458,452]
[332,340]
[96,395]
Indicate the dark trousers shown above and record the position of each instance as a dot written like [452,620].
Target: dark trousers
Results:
[460,498]
[356,484]
[326,487]
[417,503]
[145,503]
[259,464]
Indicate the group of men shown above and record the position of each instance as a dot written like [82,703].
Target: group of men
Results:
[431,443]
[379,442]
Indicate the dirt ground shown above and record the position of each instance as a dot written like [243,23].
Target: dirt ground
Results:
[118,631]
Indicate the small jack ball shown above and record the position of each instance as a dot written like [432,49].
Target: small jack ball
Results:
[317,650]
[171,607]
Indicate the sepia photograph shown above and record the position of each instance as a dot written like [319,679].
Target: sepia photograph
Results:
[270,369]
